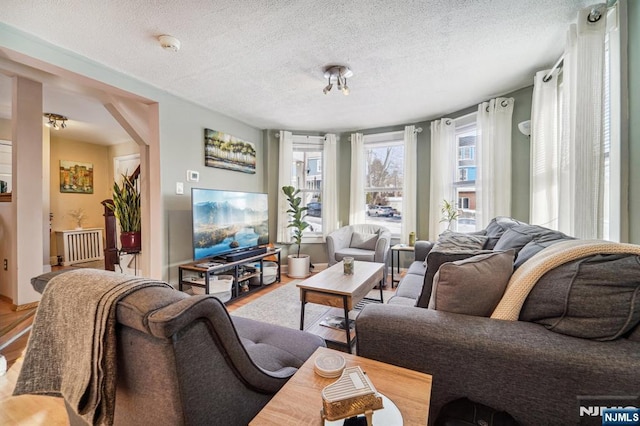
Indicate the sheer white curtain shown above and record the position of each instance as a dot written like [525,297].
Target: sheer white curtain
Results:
[443,161]
[582,151]
[493,149]
[545,143]
[283,234]
[357,198]
[330,185]
[409,184]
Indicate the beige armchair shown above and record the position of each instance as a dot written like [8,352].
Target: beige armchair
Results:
[369,243]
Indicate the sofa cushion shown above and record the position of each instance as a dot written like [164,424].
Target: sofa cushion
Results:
[363,241]
[459,241]
[417,268]
[514,238]
[472,286]
[411,286]
[597,297]
[356,253]
[538,244]
[496,228]
[434,260]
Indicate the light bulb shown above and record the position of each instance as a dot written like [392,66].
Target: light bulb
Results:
[55,125]
[63,125]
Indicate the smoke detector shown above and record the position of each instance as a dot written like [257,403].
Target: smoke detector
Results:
[169,42]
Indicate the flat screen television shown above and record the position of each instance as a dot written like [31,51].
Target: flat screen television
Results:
[228,221]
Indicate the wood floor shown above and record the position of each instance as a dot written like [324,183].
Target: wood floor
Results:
[31,410]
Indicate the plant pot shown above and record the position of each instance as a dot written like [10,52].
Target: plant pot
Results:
[130,241]
[298,267]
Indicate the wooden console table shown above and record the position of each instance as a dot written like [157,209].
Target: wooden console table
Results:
[299,401]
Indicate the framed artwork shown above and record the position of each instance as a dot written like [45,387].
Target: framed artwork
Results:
[76,177]
[228,152]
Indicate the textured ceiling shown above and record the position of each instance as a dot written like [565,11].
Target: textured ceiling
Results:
[262,61]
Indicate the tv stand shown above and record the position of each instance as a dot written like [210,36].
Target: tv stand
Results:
[198,273]
[239,255]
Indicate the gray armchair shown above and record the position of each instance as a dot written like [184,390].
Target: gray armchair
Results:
[182,360]
[369,243]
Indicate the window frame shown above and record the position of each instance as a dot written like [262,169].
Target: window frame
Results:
[465,126]
[308,143]
[383,140]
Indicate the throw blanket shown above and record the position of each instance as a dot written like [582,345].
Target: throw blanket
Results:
[72,346]
[523,280]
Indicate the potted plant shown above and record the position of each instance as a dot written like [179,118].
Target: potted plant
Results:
[298,264]
[126,209]
[449,213]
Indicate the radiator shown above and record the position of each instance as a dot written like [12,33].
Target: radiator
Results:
[80,245]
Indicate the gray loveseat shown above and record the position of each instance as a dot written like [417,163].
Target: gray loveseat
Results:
[577,336]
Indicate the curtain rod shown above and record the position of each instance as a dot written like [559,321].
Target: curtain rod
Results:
[548,77]
[595,15]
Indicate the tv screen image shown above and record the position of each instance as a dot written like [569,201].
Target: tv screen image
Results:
[228,221]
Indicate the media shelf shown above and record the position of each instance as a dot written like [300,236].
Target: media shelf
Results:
[198,274]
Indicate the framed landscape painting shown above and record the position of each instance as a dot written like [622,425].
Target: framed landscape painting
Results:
[76,177]
[228,152]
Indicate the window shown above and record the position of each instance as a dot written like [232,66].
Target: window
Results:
[384,174]
[306,175]
[464,185]
[466,152]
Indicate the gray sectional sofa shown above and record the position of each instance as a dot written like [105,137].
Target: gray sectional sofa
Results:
[576,340]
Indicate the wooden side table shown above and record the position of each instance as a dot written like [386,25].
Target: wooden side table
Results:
[395,260]
[300,400]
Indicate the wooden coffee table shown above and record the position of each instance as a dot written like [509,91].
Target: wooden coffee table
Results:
[299,401]
[332,287]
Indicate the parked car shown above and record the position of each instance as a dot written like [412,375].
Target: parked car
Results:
[466,224]
[314,209]
[381,211]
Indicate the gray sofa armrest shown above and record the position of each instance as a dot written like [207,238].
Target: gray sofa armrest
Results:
[534,374]
[422,249]
[382,247]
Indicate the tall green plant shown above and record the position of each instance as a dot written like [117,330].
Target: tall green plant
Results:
[297,213]
[126,205]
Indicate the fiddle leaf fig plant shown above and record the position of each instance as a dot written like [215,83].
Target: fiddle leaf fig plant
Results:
[297,213]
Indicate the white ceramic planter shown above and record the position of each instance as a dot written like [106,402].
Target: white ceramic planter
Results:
[298,267]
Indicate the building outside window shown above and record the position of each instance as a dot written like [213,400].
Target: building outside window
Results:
[306,175]
[464,185]
[384,174]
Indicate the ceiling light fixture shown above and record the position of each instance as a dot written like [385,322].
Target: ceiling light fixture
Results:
[339,75]
[53,121]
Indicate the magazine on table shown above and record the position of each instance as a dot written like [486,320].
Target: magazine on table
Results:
[337,322]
